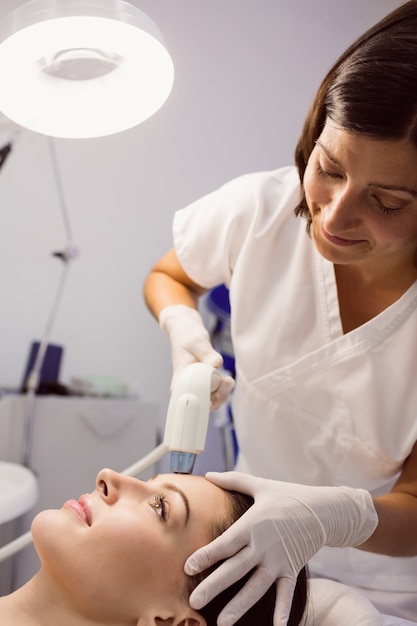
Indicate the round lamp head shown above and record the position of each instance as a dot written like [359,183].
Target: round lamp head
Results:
[82,68]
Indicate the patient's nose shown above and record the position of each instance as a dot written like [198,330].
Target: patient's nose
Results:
[108,485]
[111,485]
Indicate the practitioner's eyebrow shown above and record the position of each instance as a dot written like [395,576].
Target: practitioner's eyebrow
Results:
[400,188]
[328,154]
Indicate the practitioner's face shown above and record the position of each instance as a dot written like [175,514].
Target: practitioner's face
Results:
[362,196]
[122,548]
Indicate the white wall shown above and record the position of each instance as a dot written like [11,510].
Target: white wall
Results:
[246,71]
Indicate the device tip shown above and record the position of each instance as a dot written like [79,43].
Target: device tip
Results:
[182,462]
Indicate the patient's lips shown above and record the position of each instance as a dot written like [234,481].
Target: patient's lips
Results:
[80,508]
[85,503]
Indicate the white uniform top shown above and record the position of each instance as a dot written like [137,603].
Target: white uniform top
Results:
[333,604]
[311,404]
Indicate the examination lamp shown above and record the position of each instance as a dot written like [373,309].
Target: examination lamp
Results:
[81,68]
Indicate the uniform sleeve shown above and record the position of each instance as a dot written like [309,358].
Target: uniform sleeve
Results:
[210,233]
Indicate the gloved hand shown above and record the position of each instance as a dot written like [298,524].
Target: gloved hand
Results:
[190,343]
[279,534]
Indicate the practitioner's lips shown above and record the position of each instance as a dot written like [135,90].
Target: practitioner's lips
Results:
[81,508]
[340,241]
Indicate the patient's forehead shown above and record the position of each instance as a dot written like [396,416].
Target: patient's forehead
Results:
[186,481]
[198,489]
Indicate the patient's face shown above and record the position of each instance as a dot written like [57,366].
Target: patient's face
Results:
[127,541]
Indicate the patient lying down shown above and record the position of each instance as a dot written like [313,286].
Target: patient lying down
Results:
[115,557]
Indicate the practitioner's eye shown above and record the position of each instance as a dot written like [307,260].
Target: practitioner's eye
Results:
[326,172]
[159,504]
[388,210]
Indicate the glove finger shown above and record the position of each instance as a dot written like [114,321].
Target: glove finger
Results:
[220,395]
[235,481]
[228,573]
[252,591]
[205,353]
[181,358]
[285,594]
[229,544]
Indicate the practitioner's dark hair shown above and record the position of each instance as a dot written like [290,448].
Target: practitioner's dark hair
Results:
[370,90]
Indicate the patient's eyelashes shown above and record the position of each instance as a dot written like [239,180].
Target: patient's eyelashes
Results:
[159,504]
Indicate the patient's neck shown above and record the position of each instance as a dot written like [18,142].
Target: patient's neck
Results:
[39,603]
[15,609]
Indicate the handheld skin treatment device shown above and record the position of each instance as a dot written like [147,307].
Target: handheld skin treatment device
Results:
[188,415]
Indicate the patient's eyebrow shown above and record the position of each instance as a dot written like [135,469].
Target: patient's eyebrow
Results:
[172,487]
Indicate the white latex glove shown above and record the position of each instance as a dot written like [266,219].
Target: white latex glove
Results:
[190,343]
[279,534]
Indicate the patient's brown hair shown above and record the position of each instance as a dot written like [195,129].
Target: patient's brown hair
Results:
[262,613]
